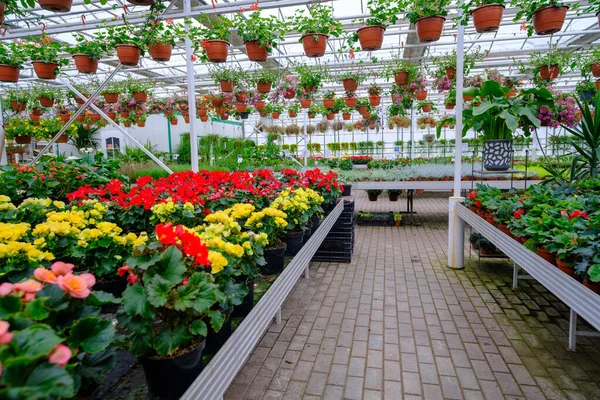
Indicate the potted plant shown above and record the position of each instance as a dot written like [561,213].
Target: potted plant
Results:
[311,78]
[58,6]
[351,80]
[544,16]
[382,13]
[17,98]
[260,34]
[548,66]
[402,70]
[397,219]
[428,17]
[12,58]
[225,77]
[212,37]
[45,56]
[86,53]
[315,25]
[375,94]
[272,222]
[46,95]
[264,78]
[139,89]
[161,37]
[19,129]
[130,46]
[450,100]
[393,194]
[293,110]
[446,63]
[363,106]
[346,114]
[586,90]
[329,99]
[487,14]
[426,105]
[111,92]
[274,109]
[373,194]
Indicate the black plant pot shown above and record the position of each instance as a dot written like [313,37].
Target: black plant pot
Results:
[244,115]
[293,240]
[316,222]
[327,207]
[372,196]
[307,234]
[247,304]
[347,190]
[216,340]
[497,154]
[169,378]
[586,95]
[115,287]
[274,260]
[393,196]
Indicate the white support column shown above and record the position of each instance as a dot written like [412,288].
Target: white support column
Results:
[191,88]
[456,226]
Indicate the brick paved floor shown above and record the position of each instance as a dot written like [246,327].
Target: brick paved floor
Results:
[397,324]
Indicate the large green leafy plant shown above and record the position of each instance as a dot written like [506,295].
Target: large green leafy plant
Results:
[11,53]
[267,31]
[586,162]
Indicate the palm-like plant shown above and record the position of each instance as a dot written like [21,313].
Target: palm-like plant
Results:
[84,138]
[587,162]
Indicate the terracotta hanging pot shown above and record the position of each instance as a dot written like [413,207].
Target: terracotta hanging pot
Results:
[429,29]
[449,106]
[371,37]
[350,101]
[363,109]
[160,52]
[396,98]
[426,108]
[2,9]
[264,87]
[549,72]
[421,95]
[56,5]
[186,119]
[289,94]
[141,124]
[401,77]
[64,116]
[128,54]
[36,111]
[549,20]
[174,121]
[140,97]
[23,139]
[226,86]
[374,100]
[111,98]
[18,106]
[124,114]
[487,17]
[8,73]
[217,102]
[346,116]
[350,85]
[468,98]
[241,107]
[451,72]
[260,105]
[95,117]
[45,70]
[292,114]
[62,138]
[203,111]
[112,115]
[366,115]
[596,69]
[35,117]
[328,103]
[84,64]
[216,50]
[127,124]
[80,117]
[79,100]
[256,52]
[204,118]
[312,47]
[305,103]
[46,101]
[224,117]
[241,97]
[311,115]
[330,116]
[275,115]
[141,2]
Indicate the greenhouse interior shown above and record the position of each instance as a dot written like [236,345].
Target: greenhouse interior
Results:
[299,199]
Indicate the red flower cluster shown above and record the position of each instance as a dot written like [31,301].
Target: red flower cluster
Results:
[184,240]
[517,214]
[472,195]
[577,213]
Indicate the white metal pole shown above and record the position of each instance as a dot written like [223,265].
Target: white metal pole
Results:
[456,225]
[191,88]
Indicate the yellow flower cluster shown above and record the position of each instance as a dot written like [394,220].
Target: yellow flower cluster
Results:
[113,231]
[46,203]
[256,219]
[5,204]
[13,232]
[164,211]
[93,210]
[13,249]
[217,261]
[240,210]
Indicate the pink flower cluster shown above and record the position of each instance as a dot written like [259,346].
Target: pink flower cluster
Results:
[442,83]
[419,84]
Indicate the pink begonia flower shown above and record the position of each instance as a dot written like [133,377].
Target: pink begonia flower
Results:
[5,335]
[29,286]
[6,289]
[61,268]
[60,355]
[44,275]
[77,286]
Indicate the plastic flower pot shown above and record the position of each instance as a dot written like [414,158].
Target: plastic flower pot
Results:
[256,52]
[292,114]
[186,119]
[216,50]
[350,101]
[426,108]
[305,103]
[46,101]
[79,100]
[264,87]
[363,109]
[84,64]
[596,69]
[64,116]
[124,114]
[497,154]
[112,115]
[366,115]
[95,117]
[140,97]
[401,78]
[374,100]
[316,221]
[429,29]
[260,105]
[314,44]
[350,85]
[45,70]
[111,98]
[566,268]
[346,190]
[393,197]
[226,86]
[128,54]
[217,102]
[330,116]
[247,304]
[141,2]
[23,139]
[8,73]
[203,111]
[80,118]
[174,121]
[449,106]
[421,95]
[240,107]
[487,18]
[371,37]
[346,116]
[160,52]
[274,258]
[593,286]
[451,72]
[62,139]
[307,234]
[289,94]
[372,196]
[56,5]
[275,115]
[546,255]
[216,340]
[204,118]
[224,117]
[169,377]
[311,115]
[141,124]
[293,240]
[35,117]
[549,72]
[549,20]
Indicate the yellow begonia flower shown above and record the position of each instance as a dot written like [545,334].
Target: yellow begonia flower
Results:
[217,262]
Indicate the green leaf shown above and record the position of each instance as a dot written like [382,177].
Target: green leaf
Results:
[9,305]
[512,122]
[491,88]
[170,266]
[594,273]
[198,327]
[100,298]
[185,297]
[216,319]
[135,301]
[91,334]
[207,292]
[36,310]
[158,291]
[485,106]
[51,381]
[530,113]
[168,340]
[36,341]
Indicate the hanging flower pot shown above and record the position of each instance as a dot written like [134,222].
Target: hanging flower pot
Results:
[186,119]
[328,103]
[362,109]
[141,124]
[263,113]
[371,37]
[549,72]
[289,94]
[111,98]
[56,5]
[549,20]
[8,73]
[94,116]
[396,98]
[204,118]
[79,100]
[256,52]
[429,29]
[511,93]
[292,114]
[314,44]
[451,72]
[46,101]
[141,2]
[421,95]
[112,115]
[224,116]
[311,115]
[64,116]
[260,105]
[36,111]
[35,117]
[374,100]
[160,52]
[350,85]
[487,17]
[596,69]
[468,98]
[449,106]
[241,97]
[366,115]
[216,50]
[124,114]
[128,54]
[23,139]
[45,70]
[401,78]
[84,64]
[305,103]
[426,108]
[174,121]
[330,116]
[275,115]
[62,138]
[203,111]
[226,86]
[241,107]
[264,87]
[140,97]
[80,117]
[350,101]
[346,116]
[217,102]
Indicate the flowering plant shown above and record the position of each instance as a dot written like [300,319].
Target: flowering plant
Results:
[93,48]
[442,82]
[271,221]
[267,30]
[46,50]
[115,35]
[419,84]
[299,206]
[318,20]
[565,111]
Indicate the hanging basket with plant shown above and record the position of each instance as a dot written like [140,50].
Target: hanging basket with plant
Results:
[428,17]
[382,13]
[161,37]
[487,14]
[130,45]
[315,25]
[260,34]
[87,52]
[12,58]
[211,37]
[225,77]
[545,17]
[45,55]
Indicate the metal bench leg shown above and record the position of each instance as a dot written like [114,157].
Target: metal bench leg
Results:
[573,331]
[515,276]
[278,316]
[306,273]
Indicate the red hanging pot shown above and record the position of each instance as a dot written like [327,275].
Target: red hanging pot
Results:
[174,121]
[141,124]
[549,72]
[203,111]
[216,50]
[305,103]
[204,118]
[374,100]
[226,86]
[35,117]
[449,106]
[241,97]
[350,101]
[549,20]
[487,18]
[64,116]
[217,102]
[366,115]
[421,95]
[140,97]
[128,54]
[260,105]
[346,116]
[111,98]
[160,52]
[80,118]
[186,119]
[429,29]
[401,77]
[264,87]
[240,107]
[124,114]
[328,103]
[256,52]
[112,115]
[371,37]
[314,44]
[289,94]
[141,2]
[8,73]
[61,6]
[275,115]
[596,69]
[45,101]
[330,116]
[84,64]
[350,85]
[451,72]
[362,109]
[292,114]
[426,108]
[45,70]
